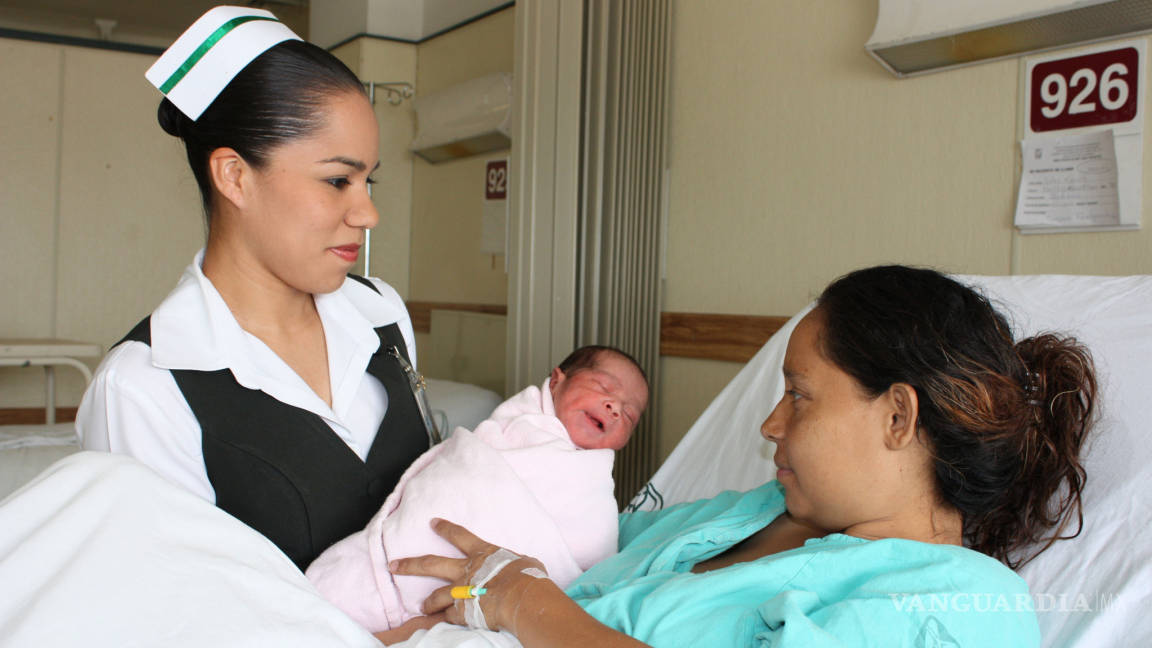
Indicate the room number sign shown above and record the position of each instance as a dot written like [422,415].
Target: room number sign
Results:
[1094,89]
[1083,109]
[496,180]
[494,215]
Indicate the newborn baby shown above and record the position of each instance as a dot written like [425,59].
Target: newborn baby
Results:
[536,477]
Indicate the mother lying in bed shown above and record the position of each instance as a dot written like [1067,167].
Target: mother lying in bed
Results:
[912,426]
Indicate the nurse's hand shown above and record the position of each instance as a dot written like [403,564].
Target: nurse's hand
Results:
[505,588]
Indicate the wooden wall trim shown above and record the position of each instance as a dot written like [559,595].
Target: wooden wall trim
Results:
[421,311]
[713,336]
[34,415]
[710,336]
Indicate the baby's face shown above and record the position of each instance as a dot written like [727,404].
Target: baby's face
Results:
[599,406]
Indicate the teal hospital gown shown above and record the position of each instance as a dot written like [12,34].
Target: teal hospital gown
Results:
[837,590]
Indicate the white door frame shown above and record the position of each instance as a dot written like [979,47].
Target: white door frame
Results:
[544,188]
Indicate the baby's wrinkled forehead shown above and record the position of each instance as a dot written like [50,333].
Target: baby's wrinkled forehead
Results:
[623,371]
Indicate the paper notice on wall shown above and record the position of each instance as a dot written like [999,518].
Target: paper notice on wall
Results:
[1069,182]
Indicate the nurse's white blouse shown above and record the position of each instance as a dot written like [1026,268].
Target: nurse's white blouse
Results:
[134,406]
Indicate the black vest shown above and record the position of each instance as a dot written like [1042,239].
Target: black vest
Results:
[281,469]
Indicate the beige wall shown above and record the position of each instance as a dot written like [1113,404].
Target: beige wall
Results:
[383,61]
[427,242]
[28,179]
[447,264]
[98,212]
[796,158]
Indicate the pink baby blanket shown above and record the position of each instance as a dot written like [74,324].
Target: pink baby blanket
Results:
[517,481]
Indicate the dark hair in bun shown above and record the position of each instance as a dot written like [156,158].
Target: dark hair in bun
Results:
[277,98]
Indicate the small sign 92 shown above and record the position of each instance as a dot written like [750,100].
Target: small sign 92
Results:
[496,180]
[1088,90]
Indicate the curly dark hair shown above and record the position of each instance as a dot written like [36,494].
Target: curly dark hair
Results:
[1005,421]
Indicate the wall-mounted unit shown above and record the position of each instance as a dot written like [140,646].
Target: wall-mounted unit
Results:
[465,119]
[920,36]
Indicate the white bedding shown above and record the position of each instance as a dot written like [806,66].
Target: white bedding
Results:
[20,436]
[26,450]
[100,551]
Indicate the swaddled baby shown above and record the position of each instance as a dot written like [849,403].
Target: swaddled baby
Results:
[536,477]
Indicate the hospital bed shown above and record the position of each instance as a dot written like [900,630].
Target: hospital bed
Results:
[97,548]
[25,450]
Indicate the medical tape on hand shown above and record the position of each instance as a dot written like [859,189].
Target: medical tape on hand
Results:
[473,614]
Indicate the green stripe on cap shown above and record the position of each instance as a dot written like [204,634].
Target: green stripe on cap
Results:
[214,38]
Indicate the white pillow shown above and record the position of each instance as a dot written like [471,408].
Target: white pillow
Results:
[1096,590]
[457,404]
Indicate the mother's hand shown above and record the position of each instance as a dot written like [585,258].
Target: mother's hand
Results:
[505,587]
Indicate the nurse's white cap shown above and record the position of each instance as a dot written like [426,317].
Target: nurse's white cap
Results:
[199,65]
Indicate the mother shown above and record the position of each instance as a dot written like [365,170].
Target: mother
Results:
[912,426]
[269,381]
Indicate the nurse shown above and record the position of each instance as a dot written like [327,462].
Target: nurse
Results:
[269,381]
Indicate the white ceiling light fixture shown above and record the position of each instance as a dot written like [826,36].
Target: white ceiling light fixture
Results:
[920,36]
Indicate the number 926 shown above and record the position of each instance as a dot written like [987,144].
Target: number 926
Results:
[1087,90]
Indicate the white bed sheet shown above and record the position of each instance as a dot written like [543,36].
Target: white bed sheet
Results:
[26,450]
[19,436]
[100,551]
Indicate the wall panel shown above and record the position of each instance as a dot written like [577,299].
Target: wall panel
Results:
[30,114]
[107,211]
[130,215]
[447,198]
[385,61]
